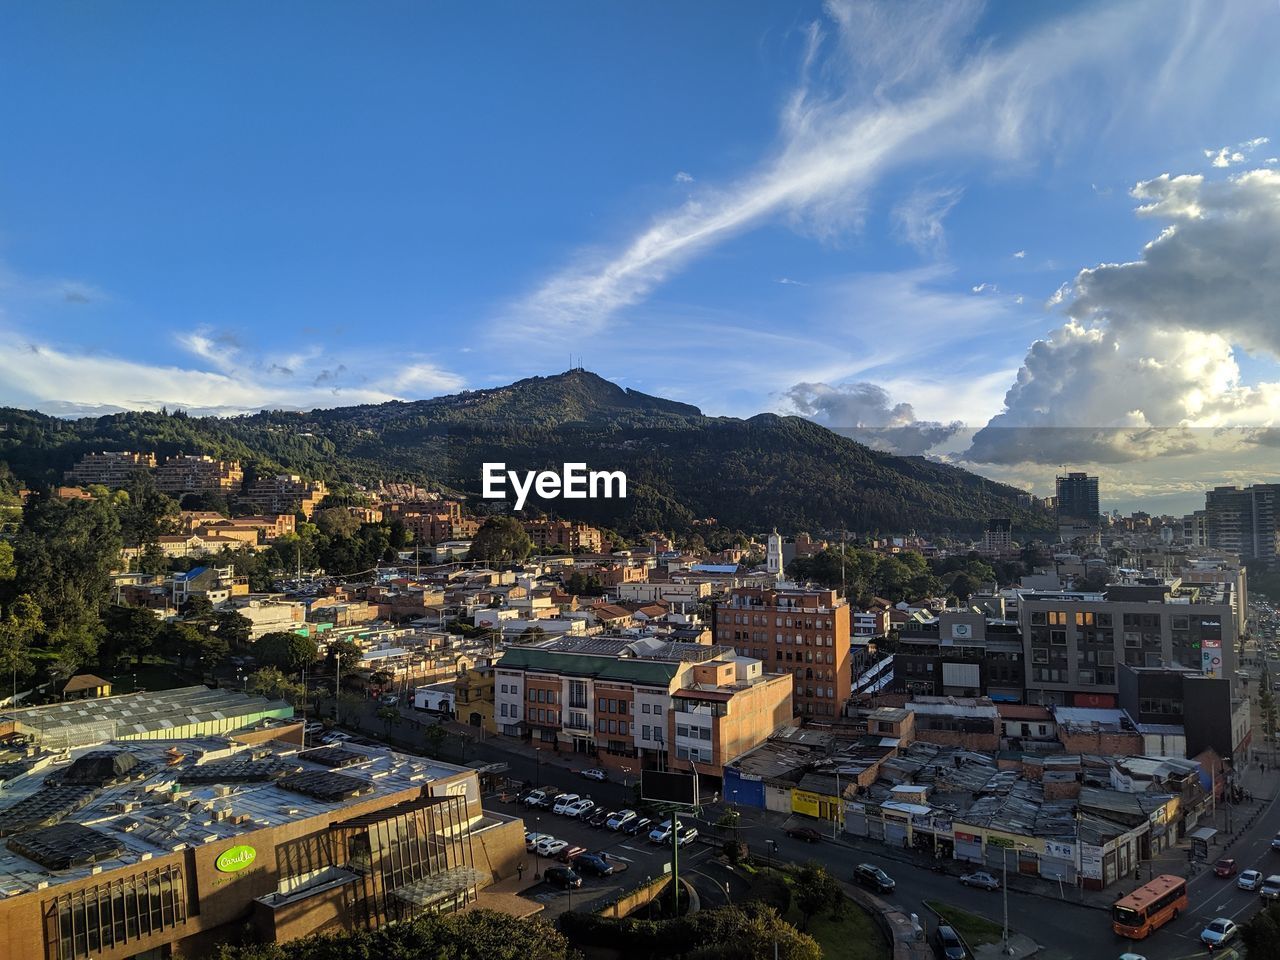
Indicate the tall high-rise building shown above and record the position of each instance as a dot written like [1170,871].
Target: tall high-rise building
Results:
[1244,521]
[1077,498]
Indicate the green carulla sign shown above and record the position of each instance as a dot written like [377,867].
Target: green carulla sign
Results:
[237,858]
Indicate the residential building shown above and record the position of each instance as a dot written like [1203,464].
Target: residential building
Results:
[1201,706]
[1245,522]
[190,474]
[637,704]
[475,695]
[1077,499]
[565,535]
[1074,641]
[113,468]
[271,614]
[802,631]
[216,584]
[997,538]
[285,493]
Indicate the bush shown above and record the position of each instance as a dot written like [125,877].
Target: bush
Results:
[772,889]
[735,851]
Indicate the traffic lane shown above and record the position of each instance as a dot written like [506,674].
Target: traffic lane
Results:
[1066,930]
[521,768]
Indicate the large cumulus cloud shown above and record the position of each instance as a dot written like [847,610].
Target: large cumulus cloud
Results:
[865,412]
[1144,364]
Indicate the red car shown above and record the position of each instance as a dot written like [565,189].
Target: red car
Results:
[807,834]
[1225,868]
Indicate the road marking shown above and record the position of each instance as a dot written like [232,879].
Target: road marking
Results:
[632,849]
[619,856]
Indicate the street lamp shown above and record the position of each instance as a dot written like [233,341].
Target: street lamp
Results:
[772,846]
[1004,892]
[537,857]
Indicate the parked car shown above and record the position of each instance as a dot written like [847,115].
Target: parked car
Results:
[980,879]
[1249,880]
[539,797]
[662,832]
[596,773]
[1218,931]
[948,945]
[1270,889]
[336,736]
[562,877]
[532,839]
[564,802]
[686,835]
[620,819]
[550,846]
[570,853]
[807,834]
[598,817]
[389,699]
[869,875]
[597,863]
[1226,867]
[577,809]
[643,825]
[1275,841]
[1132,956]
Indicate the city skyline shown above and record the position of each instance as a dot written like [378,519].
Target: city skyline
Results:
[1017,239]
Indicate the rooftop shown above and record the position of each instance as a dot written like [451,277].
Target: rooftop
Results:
[161,800]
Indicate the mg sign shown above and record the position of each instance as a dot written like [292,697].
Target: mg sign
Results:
[236,859]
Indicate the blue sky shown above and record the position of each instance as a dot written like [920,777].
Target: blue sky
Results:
[865,213]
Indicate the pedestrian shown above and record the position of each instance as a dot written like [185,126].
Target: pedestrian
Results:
[520,872]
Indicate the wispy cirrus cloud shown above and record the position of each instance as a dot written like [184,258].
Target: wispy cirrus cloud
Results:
[884,86]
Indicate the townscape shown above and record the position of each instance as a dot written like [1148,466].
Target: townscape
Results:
[731,480]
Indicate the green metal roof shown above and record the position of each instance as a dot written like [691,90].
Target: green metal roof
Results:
[580,665]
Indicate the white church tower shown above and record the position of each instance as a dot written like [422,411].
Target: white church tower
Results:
[773,558]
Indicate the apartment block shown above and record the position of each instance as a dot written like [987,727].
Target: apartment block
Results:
[1073,641]
[181,475]
[285,493]
[1245,521]
[960,653]
[114,468]
[433,528]
[1077,499]
[563,534]
[640,704]
[797,630]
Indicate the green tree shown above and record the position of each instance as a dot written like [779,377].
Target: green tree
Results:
[197,607]
[145,512]
[22,621]
[816,890]
[474,935]
[433,739]
[233,627]
[274,685]
[130,633]
[8,570]
[1261,935]
[500,540]
[289,652]
[343,655]
[390,717]
[337,522]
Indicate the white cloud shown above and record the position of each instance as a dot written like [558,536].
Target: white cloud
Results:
[1226,156]
[683,177]
[1018,300]
[884,86]
[985,288]
[70,383]
[1144,366]
[1020,254]
[865,412]
[789,282]
[918,219]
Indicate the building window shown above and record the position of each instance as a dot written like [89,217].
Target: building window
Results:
[644,708]
[108,916]
[644,732]
[657,710]
[622,727]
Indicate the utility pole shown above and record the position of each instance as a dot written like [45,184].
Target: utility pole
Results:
[1004,893]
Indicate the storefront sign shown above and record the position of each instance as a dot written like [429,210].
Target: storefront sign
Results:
[236,859]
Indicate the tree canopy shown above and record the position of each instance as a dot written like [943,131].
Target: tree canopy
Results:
[288,652]
[500,539]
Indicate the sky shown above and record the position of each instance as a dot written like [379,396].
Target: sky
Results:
[1017,237]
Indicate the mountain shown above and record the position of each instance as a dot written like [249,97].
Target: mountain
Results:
[767,471]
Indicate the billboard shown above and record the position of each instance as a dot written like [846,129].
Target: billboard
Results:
[666,787]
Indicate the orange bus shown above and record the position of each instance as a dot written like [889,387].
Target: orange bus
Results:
[1149,907]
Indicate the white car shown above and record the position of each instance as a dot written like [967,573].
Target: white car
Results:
[596,774]
[1217,932]
[1249,879]
[687,836]
[1270,889]
[336,736]
[577,810]
[662,832]
[550,846]
[564,802]
[620,819]
[531,840]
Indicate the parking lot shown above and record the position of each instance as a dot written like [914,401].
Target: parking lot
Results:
[633,857]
